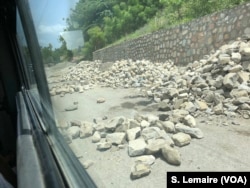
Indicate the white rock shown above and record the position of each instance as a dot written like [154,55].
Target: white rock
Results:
[77,123]
[133,123]
[96,137]
[224,58]
[103,146]
[236,57]
[168,126]
[116,138]
[150,133]
[229,80]
[114,123]
[201,105]
[245,51]
[86,130]
[136,147]
[144,124]
[235,68]
[88,163]
[193,132]
[71,108]
[154,146]
[189,121]
[181,139]
[133,133]
[244,77]
[145,159]
[171,155]
[140,170]
[100,100]
[73,132]
[218,109]
[152,119]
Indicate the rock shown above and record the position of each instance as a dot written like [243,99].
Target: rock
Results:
[241,100]
[122,127]
[218,81]
[224,58]
[230,80]
[86,130]
[75,123]
[170,94]
[140,170]
[230,107]
[163,117]
[144,124]
[116,138]
[166,137]
[207,68]
[190,107]
[181,139]
[218,109]
[193,132]
[100,100]
[88,163]
[71,108]
[133,133]
[136,147]
[74,132]
[138,117]
[102,146]
[152,119]
[245,51]
[179,114]
[237,93]
[243,77]
[201,105]
[149,93]
[114,123]
[145,159]
[63,124]
[245,107]
[236,57]
[150,133]
[121,146]
[96,137]
[168,126]
[155,145]
[133,123]
[164,106]
[171,155]
[99,127]
[235,68]
[189,121]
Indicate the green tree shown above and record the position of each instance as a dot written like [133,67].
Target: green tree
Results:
[47,54]
[96,41]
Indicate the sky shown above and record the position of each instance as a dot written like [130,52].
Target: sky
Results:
[50,21]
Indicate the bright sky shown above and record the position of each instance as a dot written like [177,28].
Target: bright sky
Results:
[49,19]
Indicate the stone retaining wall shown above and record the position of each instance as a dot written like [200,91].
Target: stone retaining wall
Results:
[184,43]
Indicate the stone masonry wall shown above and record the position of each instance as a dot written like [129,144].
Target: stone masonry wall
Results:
[184,43]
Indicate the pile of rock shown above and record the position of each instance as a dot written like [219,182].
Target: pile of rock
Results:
[144,136]
[218,84]
[124,73]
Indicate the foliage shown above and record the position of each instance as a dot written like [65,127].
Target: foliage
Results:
[104,22]
[51,55]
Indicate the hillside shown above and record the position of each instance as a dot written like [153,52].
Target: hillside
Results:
[112,21]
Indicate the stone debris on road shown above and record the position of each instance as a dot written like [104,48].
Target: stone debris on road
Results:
[219,84]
